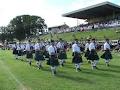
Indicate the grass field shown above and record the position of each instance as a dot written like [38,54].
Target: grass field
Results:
[100,34]
[18,75]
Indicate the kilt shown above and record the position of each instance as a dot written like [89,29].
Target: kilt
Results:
[58,50]
[53,61]
[15,51]
[29,55]
[33,51]
[93,55]
[19,53]
[62,54]
[23,52]
[77,58]
[46,54]
[82,49]
[39,56]
[107,55]
[87,54]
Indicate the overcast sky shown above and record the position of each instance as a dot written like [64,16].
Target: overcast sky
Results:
[50,10]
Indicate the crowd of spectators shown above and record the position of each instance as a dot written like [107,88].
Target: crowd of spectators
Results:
[92,26]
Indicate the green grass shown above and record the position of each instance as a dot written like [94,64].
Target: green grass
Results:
[100,34]
[18,75]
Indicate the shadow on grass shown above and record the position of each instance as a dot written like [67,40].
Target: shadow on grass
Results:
[111,65]
[101,74]
[69,66]
[114,66]
[110,70]
[76,79]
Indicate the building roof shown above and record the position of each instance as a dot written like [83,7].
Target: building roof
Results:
[95,11]
[60,26]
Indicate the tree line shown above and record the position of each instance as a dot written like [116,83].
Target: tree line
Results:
[23,27]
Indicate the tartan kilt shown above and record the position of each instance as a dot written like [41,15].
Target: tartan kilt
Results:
[29,55]
[87,53]
[62,55]
[58,50]
[93,55]
[39,56]
[15,51]
[46,54]
[33,51]
[106,55]
[53,61]
[24,52]
[19,53]
[77,58]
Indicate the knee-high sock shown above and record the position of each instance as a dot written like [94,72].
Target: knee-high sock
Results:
[92,63]
[29,60]
[37,63]
[77,65]
[95,62]
[107,61]
[53,68]
[61,61]
[16,57]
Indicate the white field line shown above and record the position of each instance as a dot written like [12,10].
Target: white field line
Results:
[22,87]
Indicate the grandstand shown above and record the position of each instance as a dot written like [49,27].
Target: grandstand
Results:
[58,29]
[102,15]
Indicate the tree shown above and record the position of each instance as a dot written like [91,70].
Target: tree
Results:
[3,33]
[25,26]
[6,33]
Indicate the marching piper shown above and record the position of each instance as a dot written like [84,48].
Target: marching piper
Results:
[23,50]
[93,56]
[39,54]
[77,58]
[29,52]
[53,60]
[46,50]
[15,52]
[61,52]
[87,50]
[118,46]
[107,54]
[19,50]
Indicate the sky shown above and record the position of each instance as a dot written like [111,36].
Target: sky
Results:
[50,10]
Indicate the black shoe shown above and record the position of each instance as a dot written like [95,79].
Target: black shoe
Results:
[108,65]
[40,66]
[95,67]
[89,62]
[62,65]
[64,61]
[55,72]
[30,63]
[79,69]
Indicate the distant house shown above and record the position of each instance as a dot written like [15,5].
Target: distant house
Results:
[58,29]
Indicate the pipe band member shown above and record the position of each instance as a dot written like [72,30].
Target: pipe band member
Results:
[29,52]
[77,58]
[53,60]
[15,52]
[19,49]
[46,54]
[107,54]
[62,52]
[93,56]
[39,57]
[87,50]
